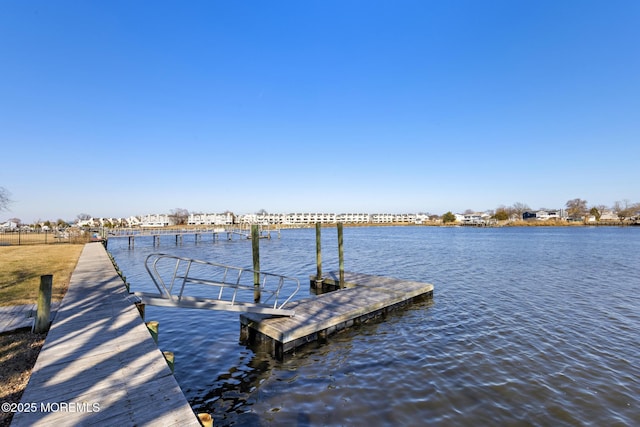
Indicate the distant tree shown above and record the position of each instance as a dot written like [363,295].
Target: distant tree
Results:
[62,223]
[5,199]
[625,209]
[576,208]
[501,214]
[262,212]
[469,212]
[84,217]
[448,217]
[595,212]
[179,216]
[519,208]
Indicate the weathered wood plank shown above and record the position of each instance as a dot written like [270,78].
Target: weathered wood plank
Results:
[99,352]
[364,295]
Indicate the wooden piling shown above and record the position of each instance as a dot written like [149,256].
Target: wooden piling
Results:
[205,419]
[318,255]
[341,255]
[170,358]
[255,247]
[43,315]
[140,306]
[153,327]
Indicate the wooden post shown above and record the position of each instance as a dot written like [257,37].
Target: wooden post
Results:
[340,255]
[205,419]
[318,255]
[140,306]
[43,315]
[153,327]
[255,246]
[170,358]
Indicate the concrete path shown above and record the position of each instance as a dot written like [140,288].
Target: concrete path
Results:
[99,364]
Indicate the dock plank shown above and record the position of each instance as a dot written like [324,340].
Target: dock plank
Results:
[99,351]
[363,296]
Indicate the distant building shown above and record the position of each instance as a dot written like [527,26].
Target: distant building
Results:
[9,226]
[155,220]
[544,215]
[210,219]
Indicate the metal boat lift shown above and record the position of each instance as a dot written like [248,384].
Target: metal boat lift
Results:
[192,283]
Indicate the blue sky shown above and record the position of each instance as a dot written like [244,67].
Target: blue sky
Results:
[122,108]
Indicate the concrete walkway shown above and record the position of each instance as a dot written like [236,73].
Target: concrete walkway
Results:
[99,363]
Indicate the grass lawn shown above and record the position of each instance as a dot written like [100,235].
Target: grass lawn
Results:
[22,266]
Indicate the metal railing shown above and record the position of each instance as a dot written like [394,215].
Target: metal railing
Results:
[191,283]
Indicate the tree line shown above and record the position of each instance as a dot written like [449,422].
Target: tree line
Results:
[575,209]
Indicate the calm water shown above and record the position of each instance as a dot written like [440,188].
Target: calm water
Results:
[528,326]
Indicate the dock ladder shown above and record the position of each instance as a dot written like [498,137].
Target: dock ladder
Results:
[190,283]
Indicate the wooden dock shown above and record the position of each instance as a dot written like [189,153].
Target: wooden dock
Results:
[99,363]
[178,235]
[363,297]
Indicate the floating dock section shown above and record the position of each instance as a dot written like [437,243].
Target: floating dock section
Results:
[362,297]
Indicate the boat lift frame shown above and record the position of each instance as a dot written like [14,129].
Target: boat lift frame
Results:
[237,290]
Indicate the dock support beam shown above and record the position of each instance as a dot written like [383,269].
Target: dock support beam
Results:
[205,419]
[154,328]
[170,358]
[318,255]
[341,255]
[140,306]
[255,247]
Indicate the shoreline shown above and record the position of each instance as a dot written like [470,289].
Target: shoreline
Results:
[533,223]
